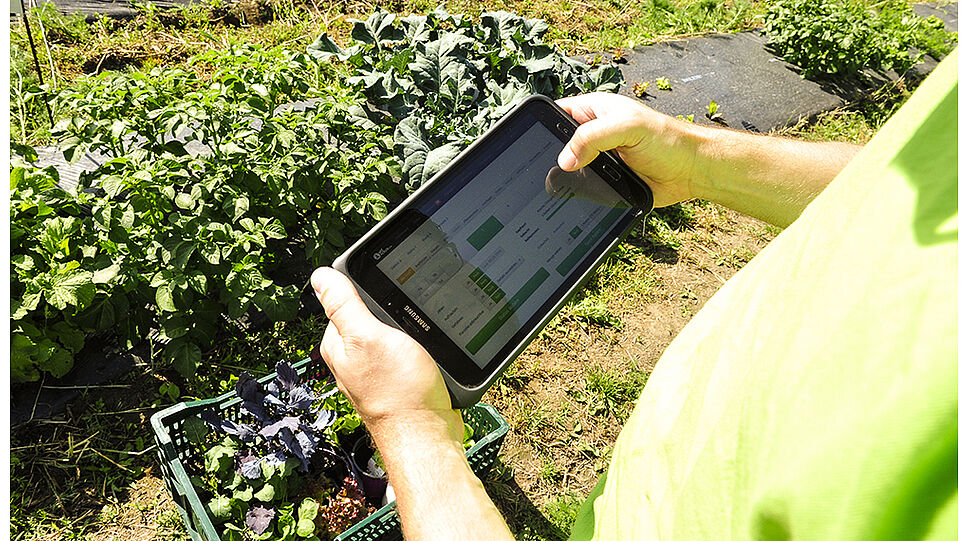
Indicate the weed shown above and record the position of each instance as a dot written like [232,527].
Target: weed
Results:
[611,390]
[562,510]
[594,311]
[844,38]
[734,257]
[550,472]
[640,89]
[663,83]
[713,112]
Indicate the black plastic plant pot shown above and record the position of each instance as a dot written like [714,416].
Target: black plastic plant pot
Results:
[179,459]
[372,477]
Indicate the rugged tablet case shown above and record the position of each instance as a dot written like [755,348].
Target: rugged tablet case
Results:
[461,396]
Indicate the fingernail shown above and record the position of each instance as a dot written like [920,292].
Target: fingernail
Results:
[318,278]
[567,160]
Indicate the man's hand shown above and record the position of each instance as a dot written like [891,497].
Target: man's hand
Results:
[771,178]
[658,148]
[389,378]
[401,397]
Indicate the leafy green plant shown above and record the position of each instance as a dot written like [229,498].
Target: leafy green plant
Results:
[447,78]
[282,474]
[825,37]
[179,228]
[640,89]
[713,112]
[663,83]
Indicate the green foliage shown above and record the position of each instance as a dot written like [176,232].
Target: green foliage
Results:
[660,225]
[172,237]
[593,310]
[447,78]
[825,37]
[562,510]
[611,390]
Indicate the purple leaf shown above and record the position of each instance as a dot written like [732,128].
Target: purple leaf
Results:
[301,398]
[251,394]
[308,442]
[276,459]
[287,376]
[257,410]
[248,466]
[258,519]
[292,423]
[248,388]
[274,400]
[245,432]
[294,448]
[324,418]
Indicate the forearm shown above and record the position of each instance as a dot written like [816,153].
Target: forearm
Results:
[438,496]
[770,178]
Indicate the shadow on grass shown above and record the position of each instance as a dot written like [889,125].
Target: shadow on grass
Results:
[526,521]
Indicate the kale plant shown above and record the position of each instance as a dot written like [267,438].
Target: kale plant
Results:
[447,78]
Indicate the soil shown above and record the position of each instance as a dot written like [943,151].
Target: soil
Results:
[139,517]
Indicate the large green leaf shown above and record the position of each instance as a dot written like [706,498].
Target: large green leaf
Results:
[106,275]
[325,48]
[56,237]
[280,304]
[73,288]
[164,298]
[420,161]
[379,27]
[59,363]
[71,337]
[220,507]
[184,355]
[441,61]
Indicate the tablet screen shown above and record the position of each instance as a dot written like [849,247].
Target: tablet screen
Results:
[493,252]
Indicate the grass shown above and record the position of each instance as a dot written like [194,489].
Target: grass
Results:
[82,473]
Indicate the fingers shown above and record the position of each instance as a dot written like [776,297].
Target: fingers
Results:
[591,138]
[341,302]
[579,107]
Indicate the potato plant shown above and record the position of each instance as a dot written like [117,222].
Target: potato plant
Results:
[180,229]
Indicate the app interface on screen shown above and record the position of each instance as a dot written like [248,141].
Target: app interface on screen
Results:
[488,258]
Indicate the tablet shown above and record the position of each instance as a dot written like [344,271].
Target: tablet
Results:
[481,257]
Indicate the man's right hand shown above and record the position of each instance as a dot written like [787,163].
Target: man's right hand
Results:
[660,149]
[771,178]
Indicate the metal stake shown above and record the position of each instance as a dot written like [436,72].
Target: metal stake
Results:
[33,50]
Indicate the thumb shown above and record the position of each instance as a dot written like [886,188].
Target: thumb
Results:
[595,136]
[341,302]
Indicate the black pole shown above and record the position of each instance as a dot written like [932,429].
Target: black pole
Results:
[33,50]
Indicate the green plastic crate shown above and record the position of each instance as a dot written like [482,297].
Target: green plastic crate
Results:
[173,448]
